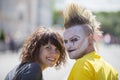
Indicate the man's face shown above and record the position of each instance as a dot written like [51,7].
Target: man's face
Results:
[76,41]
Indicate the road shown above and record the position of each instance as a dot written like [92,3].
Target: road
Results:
[9,59]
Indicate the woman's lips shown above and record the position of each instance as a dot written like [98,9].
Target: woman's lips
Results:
[51,59]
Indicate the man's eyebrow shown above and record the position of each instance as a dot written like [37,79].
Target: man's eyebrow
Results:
[74,36]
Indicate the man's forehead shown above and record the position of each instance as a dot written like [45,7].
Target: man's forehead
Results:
[75,30]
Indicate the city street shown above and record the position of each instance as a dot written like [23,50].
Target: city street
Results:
[9,59]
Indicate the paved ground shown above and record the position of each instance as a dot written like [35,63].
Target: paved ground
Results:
[8,60]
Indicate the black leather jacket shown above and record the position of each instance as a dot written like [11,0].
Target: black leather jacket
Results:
[27,71]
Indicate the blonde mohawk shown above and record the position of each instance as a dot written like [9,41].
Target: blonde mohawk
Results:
[76,15]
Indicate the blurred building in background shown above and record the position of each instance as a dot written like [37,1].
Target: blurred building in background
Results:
[18,18]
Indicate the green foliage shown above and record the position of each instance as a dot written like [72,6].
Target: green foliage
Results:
[2,35]
[110,22]
[55,17]
[58,18]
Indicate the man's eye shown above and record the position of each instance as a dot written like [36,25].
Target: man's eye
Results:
[65,41]
[75,39]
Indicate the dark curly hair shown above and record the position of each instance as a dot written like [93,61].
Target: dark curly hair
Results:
[40,38]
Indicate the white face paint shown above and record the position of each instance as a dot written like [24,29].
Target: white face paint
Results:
[76,41]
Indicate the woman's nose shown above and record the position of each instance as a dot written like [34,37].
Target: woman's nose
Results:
[53,51]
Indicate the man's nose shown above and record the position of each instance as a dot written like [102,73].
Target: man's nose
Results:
[68,45]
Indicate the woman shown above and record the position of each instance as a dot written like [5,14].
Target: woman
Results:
[44,48]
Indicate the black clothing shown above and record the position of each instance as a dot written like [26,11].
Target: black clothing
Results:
[27,71]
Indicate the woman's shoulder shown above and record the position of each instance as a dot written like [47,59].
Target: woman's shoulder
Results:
[31,66]
[30,71]
[10,75]
[27,71]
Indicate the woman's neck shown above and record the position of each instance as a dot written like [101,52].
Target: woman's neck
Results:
[43,67]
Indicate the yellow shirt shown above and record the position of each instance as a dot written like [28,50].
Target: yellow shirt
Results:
[92,67]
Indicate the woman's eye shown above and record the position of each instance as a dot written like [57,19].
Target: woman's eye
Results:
[48,47]
[57,50]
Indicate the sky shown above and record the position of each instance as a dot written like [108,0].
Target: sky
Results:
[94,5]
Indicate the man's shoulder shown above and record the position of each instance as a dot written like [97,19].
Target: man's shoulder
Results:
[80,62]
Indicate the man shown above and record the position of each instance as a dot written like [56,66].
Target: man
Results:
[80,29]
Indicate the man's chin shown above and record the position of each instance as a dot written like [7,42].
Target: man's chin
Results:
[72,57]
[75,57]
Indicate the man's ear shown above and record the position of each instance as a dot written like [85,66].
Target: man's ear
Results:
[90,39]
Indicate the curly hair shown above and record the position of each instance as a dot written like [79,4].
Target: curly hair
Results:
[39,38]
[77,15]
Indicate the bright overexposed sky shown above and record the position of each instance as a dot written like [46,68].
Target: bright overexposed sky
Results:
[94,5]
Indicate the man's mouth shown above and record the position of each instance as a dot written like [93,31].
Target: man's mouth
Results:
[71,50]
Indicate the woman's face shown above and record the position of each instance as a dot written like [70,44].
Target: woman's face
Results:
[76,41]
[49,55]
